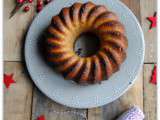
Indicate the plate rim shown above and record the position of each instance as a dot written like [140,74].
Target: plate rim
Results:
[113,99]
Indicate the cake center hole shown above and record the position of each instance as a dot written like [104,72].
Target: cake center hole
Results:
[87,45]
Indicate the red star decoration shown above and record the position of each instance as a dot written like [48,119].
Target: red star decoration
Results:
[42,117]
[154,76]
[153,20]
[8,80]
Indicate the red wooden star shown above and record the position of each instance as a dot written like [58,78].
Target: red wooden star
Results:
[154,76]
[42,117]
[153,20]
[8,80]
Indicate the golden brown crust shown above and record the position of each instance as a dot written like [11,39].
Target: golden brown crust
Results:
[107,64]
[68,63]
[85,75]
[95,12]
[65,16]
[76,69]
[75,8]
[105,17]
[68,25]
[85,10]
[98,74]
[115,26]
[58,24]
[115,38]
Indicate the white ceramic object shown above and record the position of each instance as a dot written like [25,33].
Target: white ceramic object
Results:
[68,93]
[134,113]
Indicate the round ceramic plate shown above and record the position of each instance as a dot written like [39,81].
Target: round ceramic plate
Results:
[68,93]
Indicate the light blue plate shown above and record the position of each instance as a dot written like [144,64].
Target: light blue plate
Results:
[68,93]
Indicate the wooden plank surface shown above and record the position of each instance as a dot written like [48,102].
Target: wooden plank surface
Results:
[134,5]
[14,34]
[150,94]
[111,111]
[15,30]
[18,98]
[148,7]
[42,105]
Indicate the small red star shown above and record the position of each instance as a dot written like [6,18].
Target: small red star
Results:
[154,76]
[8,80]
[153,20]
[42,117]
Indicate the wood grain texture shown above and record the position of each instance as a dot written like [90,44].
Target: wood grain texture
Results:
[150,94]
[42,105]
[95,114]
[134,5]
[18,98]
[148,7]
[111,111]
[15,30]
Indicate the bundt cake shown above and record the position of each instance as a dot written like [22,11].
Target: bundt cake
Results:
[75,20]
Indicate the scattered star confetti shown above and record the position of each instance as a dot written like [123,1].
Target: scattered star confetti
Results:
[8,80]
[154,76]
[153,20]
[42,117]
